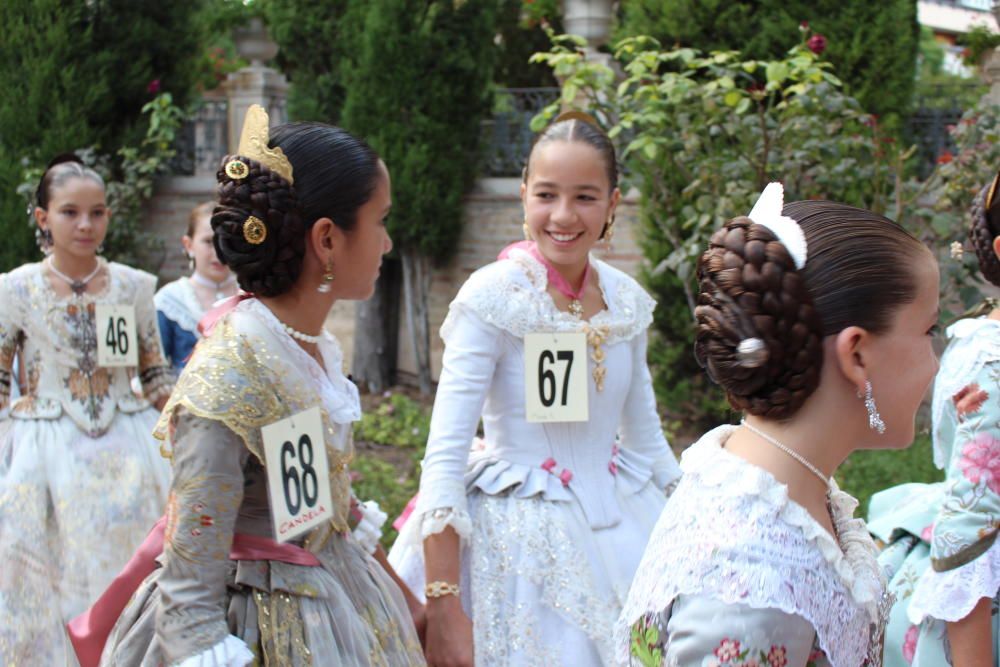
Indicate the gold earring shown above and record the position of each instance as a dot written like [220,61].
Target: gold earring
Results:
[527,231]
[328,277]
[609,230]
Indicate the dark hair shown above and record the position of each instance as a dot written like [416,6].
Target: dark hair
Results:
[59,170]
[857,274]
[200,211]
[985,227]
[575,129]
[335,173]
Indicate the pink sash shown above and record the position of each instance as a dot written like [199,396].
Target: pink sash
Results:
[89,631]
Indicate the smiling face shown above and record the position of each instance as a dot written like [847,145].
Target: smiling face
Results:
[77,215]
[567,200]
[200,247]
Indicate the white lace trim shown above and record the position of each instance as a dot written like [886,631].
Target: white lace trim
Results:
[510,294]
[340,396]
[368,532]
[974,343]
[951,595]
[437,520]
[230,652]
[754,543]
[179,303]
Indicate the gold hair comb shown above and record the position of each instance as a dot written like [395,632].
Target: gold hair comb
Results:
[582,116]
[253,144]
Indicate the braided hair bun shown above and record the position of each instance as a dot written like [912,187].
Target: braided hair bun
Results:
[984,229]
[269,267]
[750,289]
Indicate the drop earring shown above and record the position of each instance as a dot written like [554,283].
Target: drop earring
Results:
[609,230]
[190,259]
[527,231]
[875,422]
[328,277]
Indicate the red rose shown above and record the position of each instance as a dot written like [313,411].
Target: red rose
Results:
[945,157]
[804,26]
[153,87]
[817,44]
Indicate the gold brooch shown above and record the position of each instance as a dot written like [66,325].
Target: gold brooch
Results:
[254,230]
[236,169]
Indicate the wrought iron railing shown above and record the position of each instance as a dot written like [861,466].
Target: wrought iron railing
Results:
[507,135]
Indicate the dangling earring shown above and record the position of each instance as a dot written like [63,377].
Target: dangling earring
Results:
[100,247]
[43,237]
[875,422]
[324,287]
[190,261]
[527,230]
[608,232]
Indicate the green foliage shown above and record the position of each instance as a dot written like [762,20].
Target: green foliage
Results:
[644,645]
[872,45]
[978,42]
[520,34]
[701,135]
[399,421]
[868,471]
[75,74]
[417,90]
[381,481]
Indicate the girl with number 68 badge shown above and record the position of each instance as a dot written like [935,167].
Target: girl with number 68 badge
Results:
[81,477]
[525,548]
[255,560]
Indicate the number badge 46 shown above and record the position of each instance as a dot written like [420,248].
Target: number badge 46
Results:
[298,479]
[555,373]
[116,343]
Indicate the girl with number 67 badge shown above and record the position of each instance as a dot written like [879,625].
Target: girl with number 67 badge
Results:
[525,549]
[255,560]
[81,477]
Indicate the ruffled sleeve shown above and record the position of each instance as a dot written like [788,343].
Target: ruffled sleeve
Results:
[965,560]
[700,630]
[10,335]
[640,430]
[472,348]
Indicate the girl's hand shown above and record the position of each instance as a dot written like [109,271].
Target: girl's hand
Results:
[449,633]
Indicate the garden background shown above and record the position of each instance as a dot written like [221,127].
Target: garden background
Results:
[885,105]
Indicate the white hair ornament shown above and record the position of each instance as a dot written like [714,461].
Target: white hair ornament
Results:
[767,212]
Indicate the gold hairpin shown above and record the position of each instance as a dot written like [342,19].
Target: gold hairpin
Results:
[253,144]
[237,169]
[254,230]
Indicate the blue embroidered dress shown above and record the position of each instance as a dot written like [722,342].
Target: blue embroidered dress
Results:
[178,312]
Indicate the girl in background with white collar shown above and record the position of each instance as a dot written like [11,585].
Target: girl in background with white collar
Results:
[816,319]
[81,477]
[182,303]
[526,548]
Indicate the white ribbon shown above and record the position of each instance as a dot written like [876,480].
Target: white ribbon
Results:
[767,212]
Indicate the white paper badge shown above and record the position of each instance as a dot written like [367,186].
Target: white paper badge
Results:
[555,373]
[298,479]
[117,344]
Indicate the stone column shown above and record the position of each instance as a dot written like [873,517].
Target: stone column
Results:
[255,83]
[590,19]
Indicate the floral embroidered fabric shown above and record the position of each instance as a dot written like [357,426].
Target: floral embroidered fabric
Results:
[760,549]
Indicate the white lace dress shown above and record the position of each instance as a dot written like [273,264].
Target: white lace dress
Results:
[737,574]
[553,516]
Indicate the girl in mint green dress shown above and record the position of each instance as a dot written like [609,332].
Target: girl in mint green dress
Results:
[943,557]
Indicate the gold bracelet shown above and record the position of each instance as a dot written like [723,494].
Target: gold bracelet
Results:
[437,589]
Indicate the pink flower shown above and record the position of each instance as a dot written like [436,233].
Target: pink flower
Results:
[817,44]
[981,461]
[804,26]
[910,643]
[153,87]
[728,649]
[548,464]
[777,656]
[927,533]
[751,662]
[969,399]
[565,476]
[614,450]
[612,467]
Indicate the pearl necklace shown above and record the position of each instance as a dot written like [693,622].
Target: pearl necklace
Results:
[298,335]
[77,286]
[791,452]
[199,279]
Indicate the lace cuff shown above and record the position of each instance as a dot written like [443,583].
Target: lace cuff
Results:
[368,532]
[435,521]
[950,596]
[230,652]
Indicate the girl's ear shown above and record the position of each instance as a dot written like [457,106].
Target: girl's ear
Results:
[327,240]
[41,217]
[850,349]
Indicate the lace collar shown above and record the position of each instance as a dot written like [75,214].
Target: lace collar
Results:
[511,294]
[972,343]
[752,545]
[178,301]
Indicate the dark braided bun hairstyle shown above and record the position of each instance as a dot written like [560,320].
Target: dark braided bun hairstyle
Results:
[857,274]
[984,229]
[335,173]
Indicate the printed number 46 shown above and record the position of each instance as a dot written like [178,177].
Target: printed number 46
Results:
[116,337]
[547,377]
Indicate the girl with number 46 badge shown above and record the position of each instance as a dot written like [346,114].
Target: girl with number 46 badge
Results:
[81,477]
[817,320]
[255,561]
[525,548]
